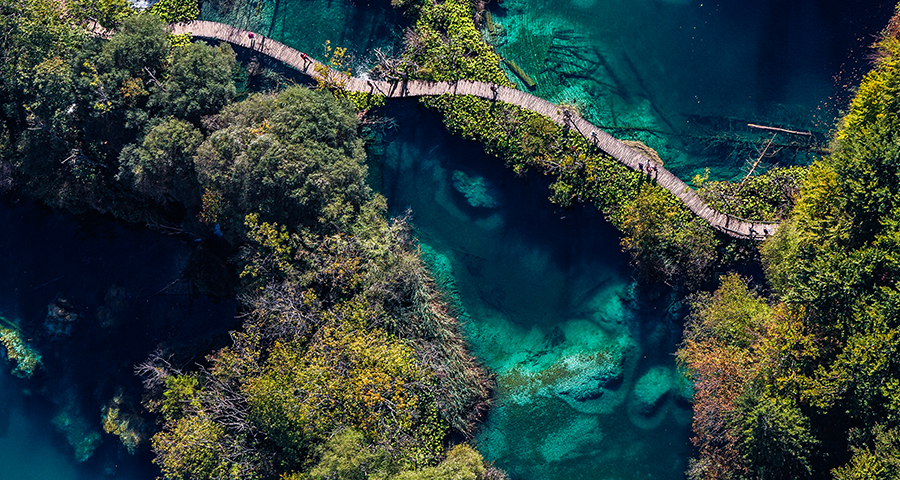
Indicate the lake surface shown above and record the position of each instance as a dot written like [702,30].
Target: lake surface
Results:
[687,76]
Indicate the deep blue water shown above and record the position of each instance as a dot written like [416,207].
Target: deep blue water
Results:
[123,285]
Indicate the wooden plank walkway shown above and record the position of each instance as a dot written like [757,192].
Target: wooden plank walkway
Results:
[629,157]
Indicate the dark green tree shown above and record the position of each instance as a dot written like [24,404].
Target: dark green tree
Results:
[776,439]
[199,82]
[162,167]
[295,159]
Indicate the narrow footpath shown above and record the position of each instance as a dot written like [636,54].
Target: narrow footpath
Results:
[629,157]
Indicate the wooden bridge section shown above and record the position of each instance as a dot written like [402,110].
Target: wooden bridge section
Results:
[627,156]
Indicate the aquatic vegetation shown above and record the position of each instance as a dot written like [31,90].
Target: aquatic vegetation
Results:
[119,418]
[26,358]
[79,432]
[61,317]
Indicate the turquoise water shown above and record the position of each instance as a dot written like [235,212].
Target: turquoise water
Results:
[32,449]
[93,298]
[587,383]
[695,72]
[359,26]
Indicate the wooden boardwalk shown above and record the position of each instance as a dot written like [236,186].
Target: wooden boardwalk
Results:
[629,157]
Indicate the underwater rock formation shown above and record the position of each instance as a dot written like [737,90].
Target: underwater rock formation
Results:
[660,392]
[651,389]
[61,317]
[590,376]
[79,432]
[475,189]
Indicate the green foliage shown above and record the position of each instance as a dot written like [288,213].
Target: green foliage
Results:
[141,43]
[272,251]
[363,101]
[189,450]
[199,82]
[344,377]
[776,439]
[161,167]
[294,159]
[172,11]
[733,316]
[665,239]
[462,463]
[881,461]
[334,75]
[446,45]
[348,456]
[108,13]
[180,396]
[767,197]
[36,30]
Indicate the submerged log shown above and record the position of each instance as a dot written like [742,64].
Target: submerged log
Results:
[776,129]
[520,73]
[489,21]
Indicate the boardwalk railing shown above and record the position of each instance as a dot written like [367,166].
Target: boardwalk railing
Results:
[627,156]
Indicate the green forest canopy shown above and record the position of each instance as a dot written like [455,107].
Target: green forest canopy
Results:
[805,383]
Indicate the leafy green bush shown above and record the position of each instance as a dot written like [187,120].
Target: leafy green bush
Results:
[198,82]
[445,45]
[172,11]
[294,159]
[767,197]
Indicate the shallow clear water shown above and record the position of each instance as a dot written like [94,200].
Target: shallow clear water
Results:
[683,76]
[359,26]
[123,286]
[587,383]
[695,72]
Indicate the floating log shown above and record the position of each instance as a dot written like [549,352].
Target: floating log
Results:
[776,129]
[520,73]
[489,20]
